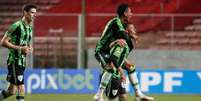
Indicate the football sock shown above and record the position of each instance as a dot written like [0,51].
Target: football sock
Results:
[134,81]
[104,82]
[19,98]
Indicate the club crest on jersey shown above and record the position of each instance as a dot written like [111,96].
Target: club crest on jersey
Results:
[114,92]
[20,77]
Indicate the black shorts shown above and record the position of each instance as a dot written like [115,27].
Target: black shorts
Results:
[15,74]
[115,87]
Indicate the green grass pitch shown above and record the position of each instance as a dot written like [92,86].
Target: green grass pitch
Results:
[88,97]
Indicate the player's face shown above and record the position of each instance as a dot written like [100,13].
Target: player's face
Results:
[31,14]
[128,14]
[131,29]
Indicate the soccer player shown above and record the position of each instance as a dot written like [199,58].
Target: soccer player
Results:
[115,30]
[18,40]
[116,87]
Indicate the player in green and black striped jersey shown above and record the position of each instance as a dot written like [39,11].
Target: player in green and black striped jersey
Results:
[115,30]
[118,54]
[18,40]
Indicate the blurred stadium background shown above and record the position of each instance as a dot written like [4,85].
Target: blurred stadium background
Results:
[168,56]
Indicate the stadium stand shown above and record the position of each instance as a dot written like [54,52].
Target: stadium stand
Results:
[186,29]
[55,52]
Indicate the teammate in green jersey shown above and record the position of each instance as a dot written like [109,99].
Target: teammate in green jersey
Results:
[18,41]
[115,30]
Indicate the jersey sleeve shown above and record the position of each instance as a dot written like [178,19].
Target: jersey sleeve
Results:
[11,29]
[119,30]
[118,26]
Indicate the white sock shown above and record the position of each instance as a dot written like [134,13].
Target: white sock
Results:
[104,82]
[134,81]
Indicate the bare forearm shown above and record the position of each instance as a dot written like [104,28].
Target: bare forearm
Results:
[121,71]
[5,42]
[120,42]
[10,45]
[112,44]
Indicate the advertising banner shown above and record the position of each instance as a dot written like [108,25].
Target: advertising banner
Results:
[86,81]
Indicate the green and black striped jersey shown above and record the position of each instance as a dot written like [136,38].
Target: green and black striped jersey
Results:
[114,29]
[19,34]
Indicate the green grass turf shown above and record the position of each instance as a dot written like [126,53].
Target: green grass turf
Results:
[88,97]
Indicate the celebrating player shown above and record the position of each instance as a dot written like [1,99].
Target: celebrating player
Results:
[115,30]
[116,87]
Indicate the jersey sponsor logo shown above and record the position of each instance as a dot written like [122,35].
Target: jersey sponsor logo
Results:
[20,77]
[114,92]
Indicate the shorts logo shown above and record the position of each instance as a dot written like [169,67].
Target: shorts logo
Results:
[123,85]
[114,92]
[20,78]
